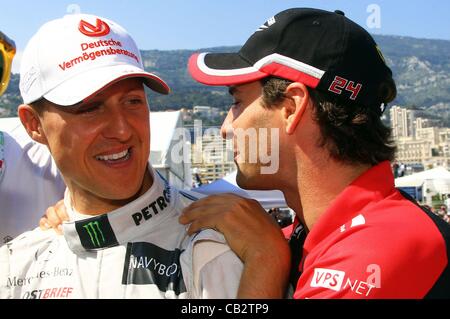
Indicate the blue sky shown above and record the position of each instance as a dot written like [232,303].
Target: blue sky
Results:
[194,24]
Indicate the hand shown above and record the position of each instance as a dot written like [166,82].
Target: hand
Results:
[246,226]
[53,218]
[252,234]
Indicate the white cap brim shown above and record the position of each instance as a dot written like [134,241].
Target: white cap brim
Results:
[88,83]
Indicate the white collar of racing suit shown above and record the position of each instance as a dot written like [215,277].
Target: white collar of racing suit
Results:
[85,232]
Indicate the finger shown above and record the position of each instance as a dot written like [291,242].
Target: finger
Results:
[201,224]
[183,219]
[43,223]
[211,200]
[53,218]
[59,230]
[198,203]
[61,211]
[194,213]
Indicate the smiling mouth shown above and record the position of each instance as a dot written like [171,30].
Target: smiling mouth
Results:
[117,157]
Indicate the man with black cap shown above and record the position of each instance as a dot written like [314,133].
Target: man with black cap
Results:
[323,82]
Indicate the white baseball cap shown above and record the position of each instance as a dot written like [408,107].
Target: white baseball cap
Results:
[72,58]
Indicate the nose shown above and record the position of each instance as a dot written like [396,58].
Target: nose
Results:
[118,126]
[226,130]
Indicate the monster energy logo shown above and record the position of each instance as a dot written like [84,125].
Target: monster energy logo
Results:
[95,233]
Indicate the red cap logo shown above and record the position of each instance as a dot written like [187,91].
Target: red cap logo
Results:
[100,29]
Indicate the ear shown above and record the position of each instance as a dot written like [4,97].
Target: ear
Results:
[31,121]
[298,96]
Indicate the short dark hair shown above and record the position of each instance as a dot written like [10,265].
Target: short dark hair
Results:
[39,105]
[351,133]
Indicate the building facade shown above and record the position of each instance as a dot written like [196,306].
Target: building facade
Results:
[419,143]
[212,156]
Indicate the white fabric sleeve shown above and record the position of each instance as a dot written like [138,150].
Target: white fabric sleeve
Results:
[210,268]
[219,278]
[5,290]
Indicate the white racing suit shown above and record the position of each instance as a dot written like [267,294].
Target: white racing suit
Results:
[137,251]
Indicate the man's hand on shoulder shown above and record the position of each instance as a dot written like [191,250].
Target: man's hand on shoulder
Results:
[252,234]
[54,217]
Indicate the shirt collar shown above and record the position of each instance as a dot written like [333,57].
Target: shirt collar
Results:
[85,232]
[370,187]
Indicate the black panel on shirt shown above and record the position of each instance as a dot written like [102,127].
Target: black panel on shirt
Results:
[96,233]
[146,264]
[296,242]
[441,288]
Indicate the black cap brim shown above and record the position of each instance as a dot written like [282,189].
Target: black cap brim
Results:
[222,69]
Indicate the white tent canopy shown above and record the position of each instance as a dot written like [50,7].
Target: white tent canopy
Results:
[162,126]
[434,180]
[8,124]
[227,184]
[167,148]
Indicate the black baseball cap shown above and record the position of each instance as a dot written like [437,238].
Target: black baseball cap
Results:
[321,49]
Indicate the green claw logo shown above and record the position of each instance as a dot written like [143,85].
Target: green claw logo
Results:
[95,233]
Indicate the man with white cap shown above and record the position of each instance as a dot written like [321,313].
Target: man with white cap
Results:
[82,84]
